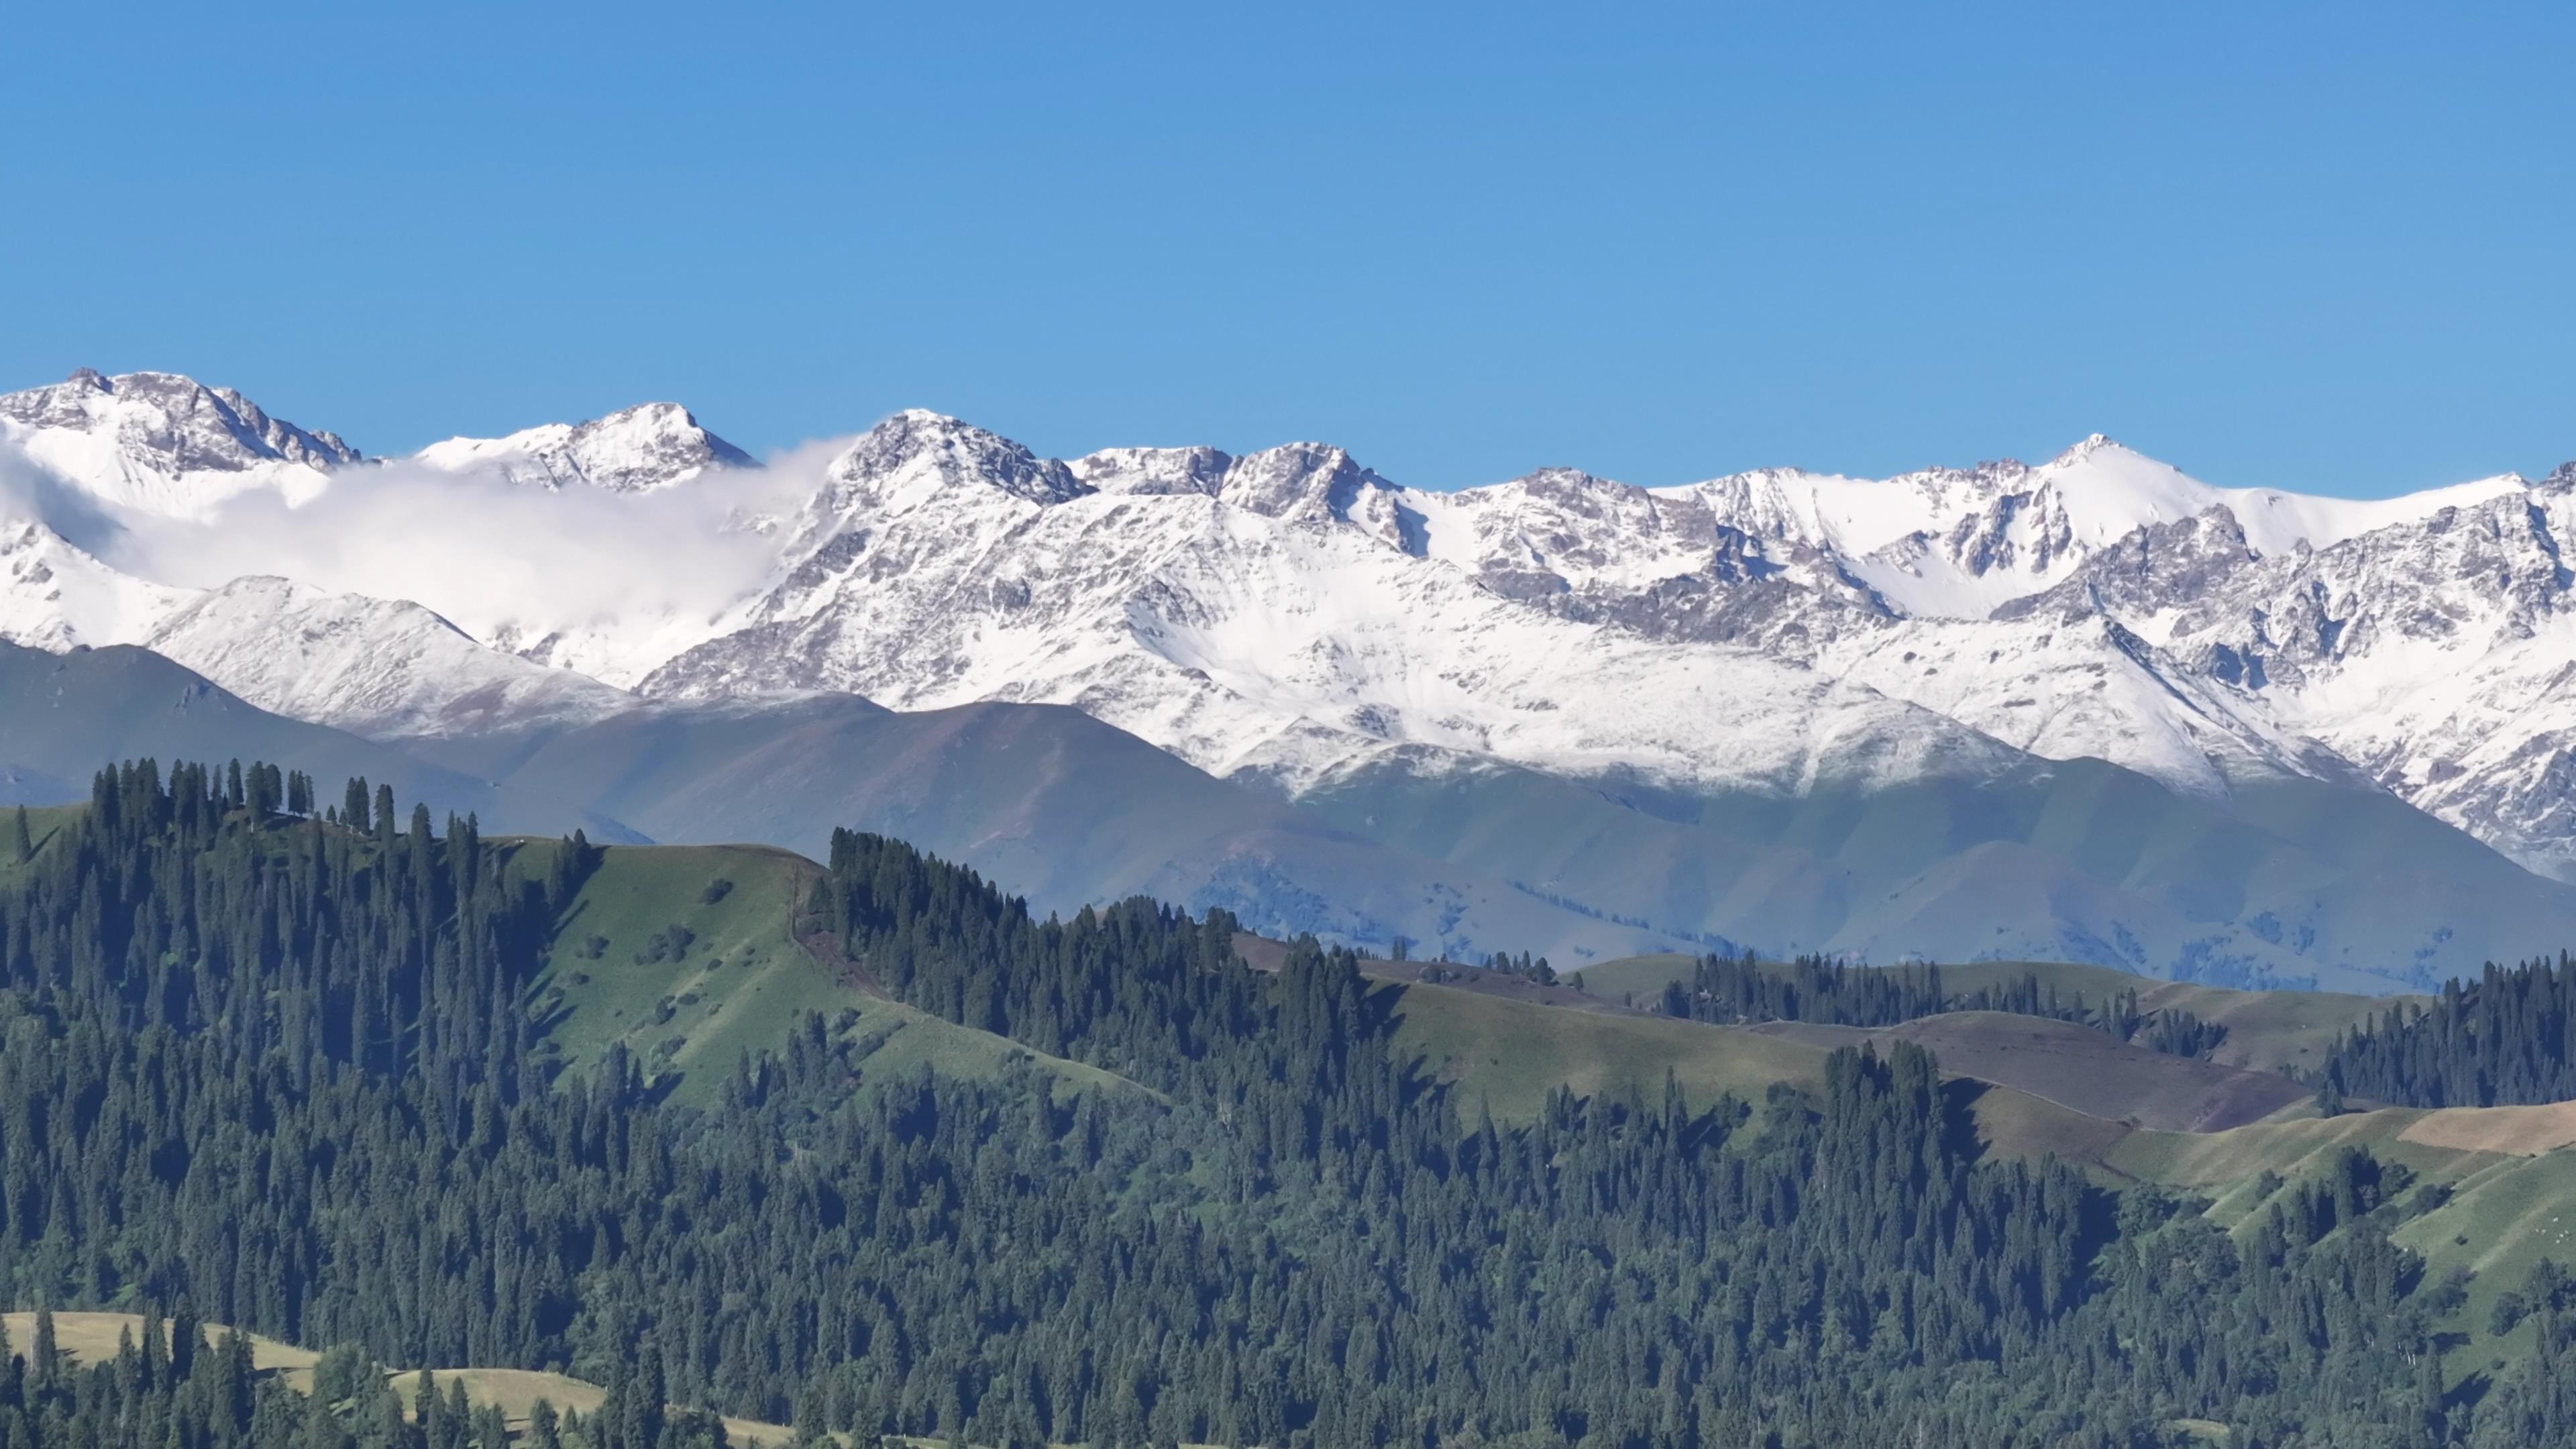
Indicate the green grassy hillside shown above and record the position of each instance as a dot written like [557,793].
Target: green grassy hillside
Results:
[1510,1055]
[683,953]
[1641,977]
[2212,1162]
[62,716]
[2510,1172]
[2500,1221]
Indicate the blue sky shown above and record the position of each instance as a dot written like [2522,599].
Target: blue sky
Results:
[2328,247]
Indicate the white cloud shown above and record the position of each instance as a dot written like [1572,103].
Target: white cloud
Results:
[30,493]
[483,552]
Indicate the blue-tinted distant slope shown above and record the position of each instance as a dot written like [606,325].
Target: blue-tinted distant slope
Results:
[62,716]
[1044,800]
[2293,882]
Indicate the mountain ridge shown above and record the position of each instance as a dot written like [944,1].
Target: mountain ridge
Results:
[1286,616]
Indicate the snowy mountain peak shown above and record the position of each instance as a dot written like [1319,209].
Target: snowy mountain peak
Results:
[1299,480]
[196,426]
[2091,444]
[1572,483]
[163,443]
[1151,471]
[917,454]
[1317,483]
[632,450]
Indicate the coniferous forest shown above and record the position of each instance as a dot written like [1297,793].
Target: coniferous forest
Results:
[2507,1037]
[1743,988]
[281,1074]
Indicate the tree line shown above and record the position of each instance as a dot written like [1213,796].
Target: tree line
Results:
[1744,988]
[2507,1037]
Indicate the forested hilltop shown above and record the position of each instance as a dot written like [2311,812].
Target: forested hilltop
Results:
[305,1077]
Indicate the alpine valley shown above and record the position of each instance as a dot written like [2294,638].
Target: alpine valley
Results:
[2091,710]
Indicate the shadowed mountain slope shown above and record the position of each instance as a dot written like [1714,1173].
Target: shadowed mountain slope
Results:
[63,716]
[1049,802]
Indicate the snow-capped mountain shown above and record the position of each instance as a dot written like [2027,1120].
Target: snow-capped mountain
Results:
[2437,653]
[633,450]
[1291,617]
[55,596]
[159,443]
[1281,612]
[382,668]
[1279,624]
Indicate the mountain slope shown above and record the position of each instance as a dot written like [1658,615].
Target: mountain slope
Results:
[54,595]
[1052,804]
[374,667]
[2078,1068]
[633,450]
[1279,628]
[686,957]
[164,444]
[2438,652]
[2291,882]
[64,716]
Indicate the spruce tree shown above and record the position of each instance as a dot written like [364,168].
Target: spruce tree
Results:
[640,1419]
[22,844]
[48,1361]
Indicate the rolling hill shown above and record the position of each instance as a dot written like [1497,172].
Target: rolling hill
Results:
[2285,883]
[1053,804]
[685,956]
[62,716]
